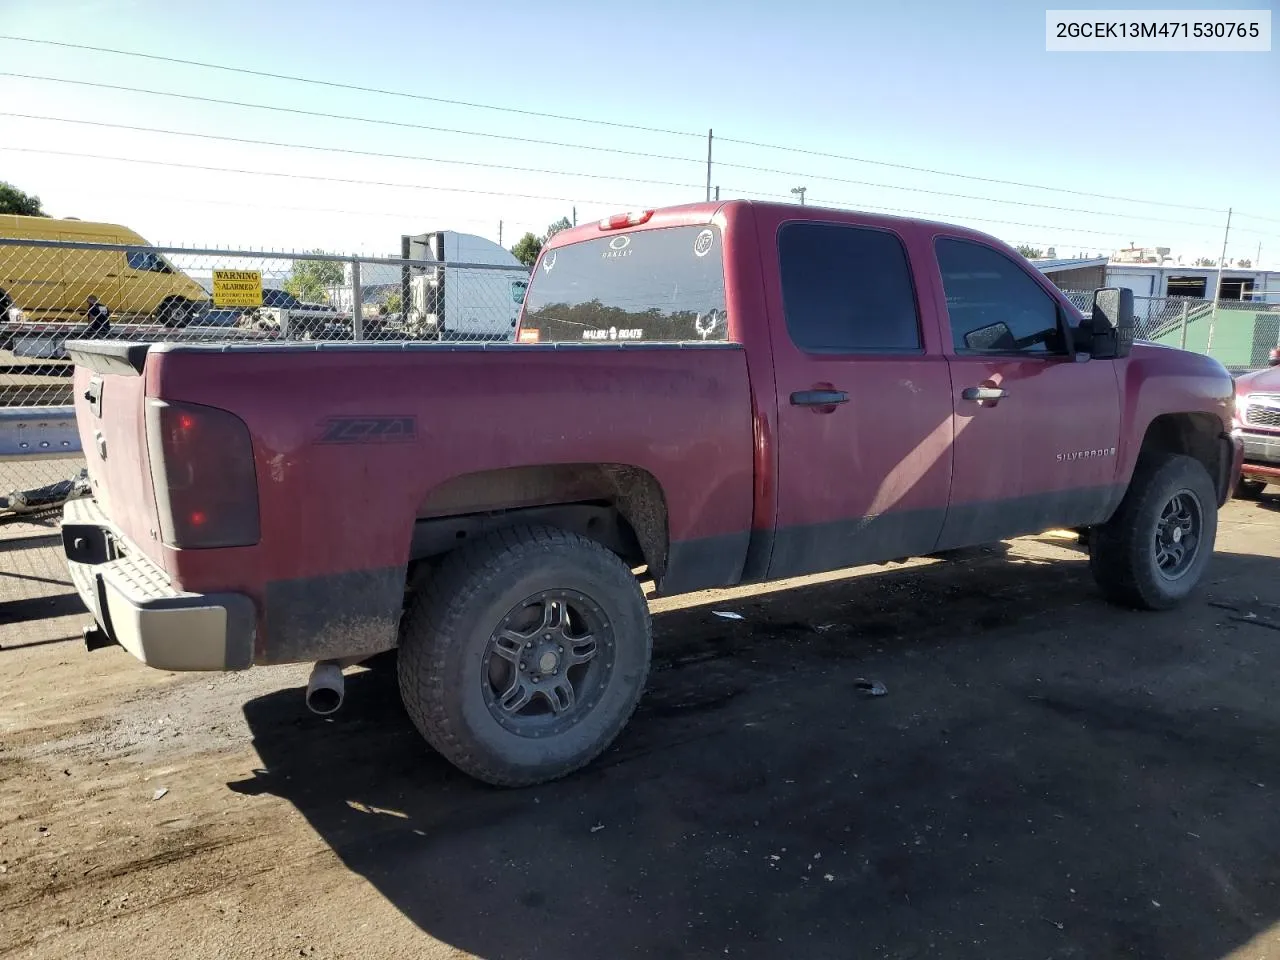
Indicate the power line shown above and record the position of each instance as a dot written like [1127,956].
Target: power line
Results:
[332,84]
[595,176]
[533,113]
[963,196]
[346,150]
[298,111]
[1265,234]
[311,176]
[1254,216]
[397,214]
[506,194]
[963,176]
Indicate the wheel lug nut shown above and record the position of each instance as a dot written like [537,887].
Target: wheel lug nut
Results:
[529,645]
[560,649]
[523,665]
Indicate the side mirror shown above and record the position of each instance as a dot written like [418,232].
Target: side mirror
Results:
[994,336]
[1112,322]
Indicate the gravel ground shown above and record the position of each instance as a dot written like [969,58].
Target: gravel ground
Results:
[1046,777]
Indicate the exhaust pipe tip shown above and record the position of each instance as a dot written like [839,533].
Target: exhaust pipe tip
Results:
[325,688]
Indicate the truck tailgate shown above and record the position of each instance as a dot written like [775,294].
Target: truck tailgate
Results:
[110,395]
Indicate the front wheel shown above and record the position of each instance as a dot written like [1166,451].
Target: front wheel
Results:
[524,655]
[1153,552]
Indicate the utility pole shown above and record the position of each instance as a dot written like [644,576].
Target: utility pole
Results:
[1217,284]
[800,192]
[717,193]
[499,233]
[575,216]
[709,164]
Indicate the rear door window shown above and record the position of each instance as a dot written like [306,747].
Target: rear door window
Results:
[847,289]
[648,285]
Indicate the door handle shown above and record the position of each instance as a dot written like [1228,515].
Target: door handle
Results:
[983,393]
[818,398]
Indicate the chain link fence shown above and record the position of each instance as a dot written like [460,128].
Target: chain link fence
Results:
[1240,334]
[51,292]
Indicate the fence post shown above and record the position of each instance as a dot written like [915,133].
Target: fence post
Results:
[357,302]
[1183,342]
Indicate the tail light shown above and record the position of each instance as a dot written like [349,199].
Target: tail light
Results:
[202,470]
[621,220]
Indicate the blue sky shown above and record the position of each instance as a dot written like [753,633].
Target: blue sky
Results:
[961,87]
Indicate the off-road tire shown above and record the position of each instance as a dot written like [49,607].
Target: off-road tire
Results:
[447,628]
[1122,552]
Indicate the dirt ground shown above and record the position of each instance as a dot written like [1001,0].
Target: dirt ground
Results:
[1047,777]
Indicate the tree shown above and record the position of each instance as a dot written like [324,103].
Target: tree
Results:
[527,249]
[529,246]
[1031,253]
[561,224]
[310,280]
[13,200]
[1244,263]
[1206,262]
[392,303]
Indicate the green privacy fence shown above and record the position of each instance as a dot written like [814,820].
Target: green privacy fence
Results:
[1240,333]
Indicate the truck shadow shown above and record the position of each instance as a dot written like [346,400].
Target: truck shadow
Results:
[1047,776]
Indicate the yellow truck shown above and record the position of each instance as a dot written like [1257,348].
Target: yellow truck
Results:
[53,282]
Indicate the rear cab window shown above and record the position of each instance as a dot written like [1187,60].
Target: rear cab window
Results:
[663,285]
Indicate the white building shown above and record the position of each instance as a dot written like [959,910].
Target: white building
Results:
[1168,280]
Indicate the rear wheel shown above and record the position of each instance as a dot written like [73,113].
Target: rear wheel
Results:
[1152,553]
[523,656]
[1250,489]
[175,312]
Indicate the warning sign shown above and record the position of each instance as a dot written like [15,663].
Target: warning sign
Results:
[237,288]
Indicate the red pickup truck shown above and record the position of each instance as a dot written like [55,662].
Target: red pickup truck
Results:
[705,396]
[1257,424]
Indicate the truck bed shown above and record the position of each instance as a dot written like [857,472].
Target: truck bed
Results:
[354,444]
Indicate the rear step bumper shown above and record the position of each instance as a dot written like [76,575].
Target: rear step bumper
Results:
[134,603]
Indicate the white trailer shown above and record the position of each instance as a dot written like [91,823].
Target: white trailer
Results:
[459,303]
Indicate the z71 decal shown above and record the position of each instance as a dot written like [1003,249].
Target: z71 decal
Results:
[368,430]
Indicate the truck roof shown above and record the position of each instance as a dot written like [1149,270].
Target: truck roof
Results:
[695,213]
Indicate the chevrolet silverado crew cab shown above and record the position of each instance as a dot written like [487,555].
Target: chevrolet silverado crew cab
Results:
[705,396]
